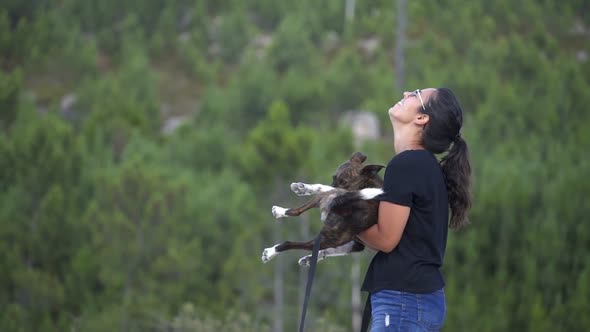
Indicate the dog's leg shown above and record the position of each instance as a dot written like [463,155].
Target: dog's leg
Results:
[350,247]
[280,212]
[270,253]
[304,189]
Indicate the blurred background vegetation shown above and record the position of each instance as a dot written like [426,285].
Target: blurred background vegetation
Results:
[143,143]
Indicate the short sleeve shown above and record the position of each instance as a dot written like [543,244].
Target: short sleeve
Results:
[400,180]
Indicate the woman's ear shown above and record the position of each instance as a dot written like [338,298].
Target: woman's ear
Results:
[422,119]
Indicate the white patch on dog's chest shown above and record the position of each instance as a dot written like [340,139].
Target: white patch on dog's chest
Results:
[370,193]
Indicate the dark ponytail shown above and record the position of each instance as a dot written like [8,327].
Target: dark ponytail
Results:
[457,170]
[441,132]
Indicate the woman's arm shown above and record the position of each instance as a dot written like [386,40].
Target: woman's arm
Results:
[386,234]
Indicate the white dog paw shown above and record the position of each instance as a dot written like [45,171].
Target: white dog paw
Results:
[305,261]
[301,189]
[268,254]
[279,212]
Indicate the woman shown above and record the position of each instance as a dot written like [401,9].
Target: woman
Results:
[404,279]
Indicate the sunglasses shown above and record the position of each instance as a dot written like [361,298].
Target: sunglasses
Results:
[417,93]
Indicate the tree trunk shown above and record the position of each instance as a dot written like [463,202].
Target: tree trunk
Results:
[400,46]
[304,222]
[355,277]
[349,12]
[278,286]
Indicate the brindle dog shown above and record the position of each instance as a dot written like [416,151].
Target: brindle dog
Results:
[348,206]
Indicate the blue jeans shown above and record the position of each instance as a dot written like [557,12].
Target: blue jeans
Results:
[407,312]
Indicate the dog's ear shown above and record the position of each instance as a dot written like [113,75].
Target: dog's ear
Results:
[358,157]
[371,169]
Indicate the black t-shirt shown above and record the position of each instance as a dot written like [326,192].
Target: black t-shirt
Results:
[415,179]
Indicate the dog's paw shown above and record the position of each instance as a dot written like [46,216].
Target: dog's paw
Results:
[301,189]
[279,212]
[268,254]
[305,261]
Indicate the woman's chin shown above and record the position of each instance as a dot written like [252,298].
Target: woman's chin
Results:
[392,110]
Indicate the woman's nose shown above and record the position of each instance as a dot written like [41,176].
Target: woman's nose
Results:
[406,94]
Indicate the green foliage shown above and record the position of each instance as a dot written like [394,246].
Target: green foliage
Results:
[234,33]
[274,147]
[10,89]
[146,232]
[120,104]
[108,224]
[347,80]
[303,90]
[38,228]
[244,101]
[291,45]
[189,320]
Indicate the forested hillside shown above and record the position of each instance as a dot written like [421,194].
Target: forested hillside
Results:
[143,143]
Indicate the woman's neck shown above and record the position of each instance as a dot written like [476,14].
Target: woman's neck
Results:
[406,141]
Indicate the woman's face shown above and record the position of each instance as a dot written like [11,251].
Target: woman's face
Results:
[410,106]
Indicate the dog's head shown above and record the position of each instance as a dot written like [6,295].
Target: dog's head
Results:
[353,175]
